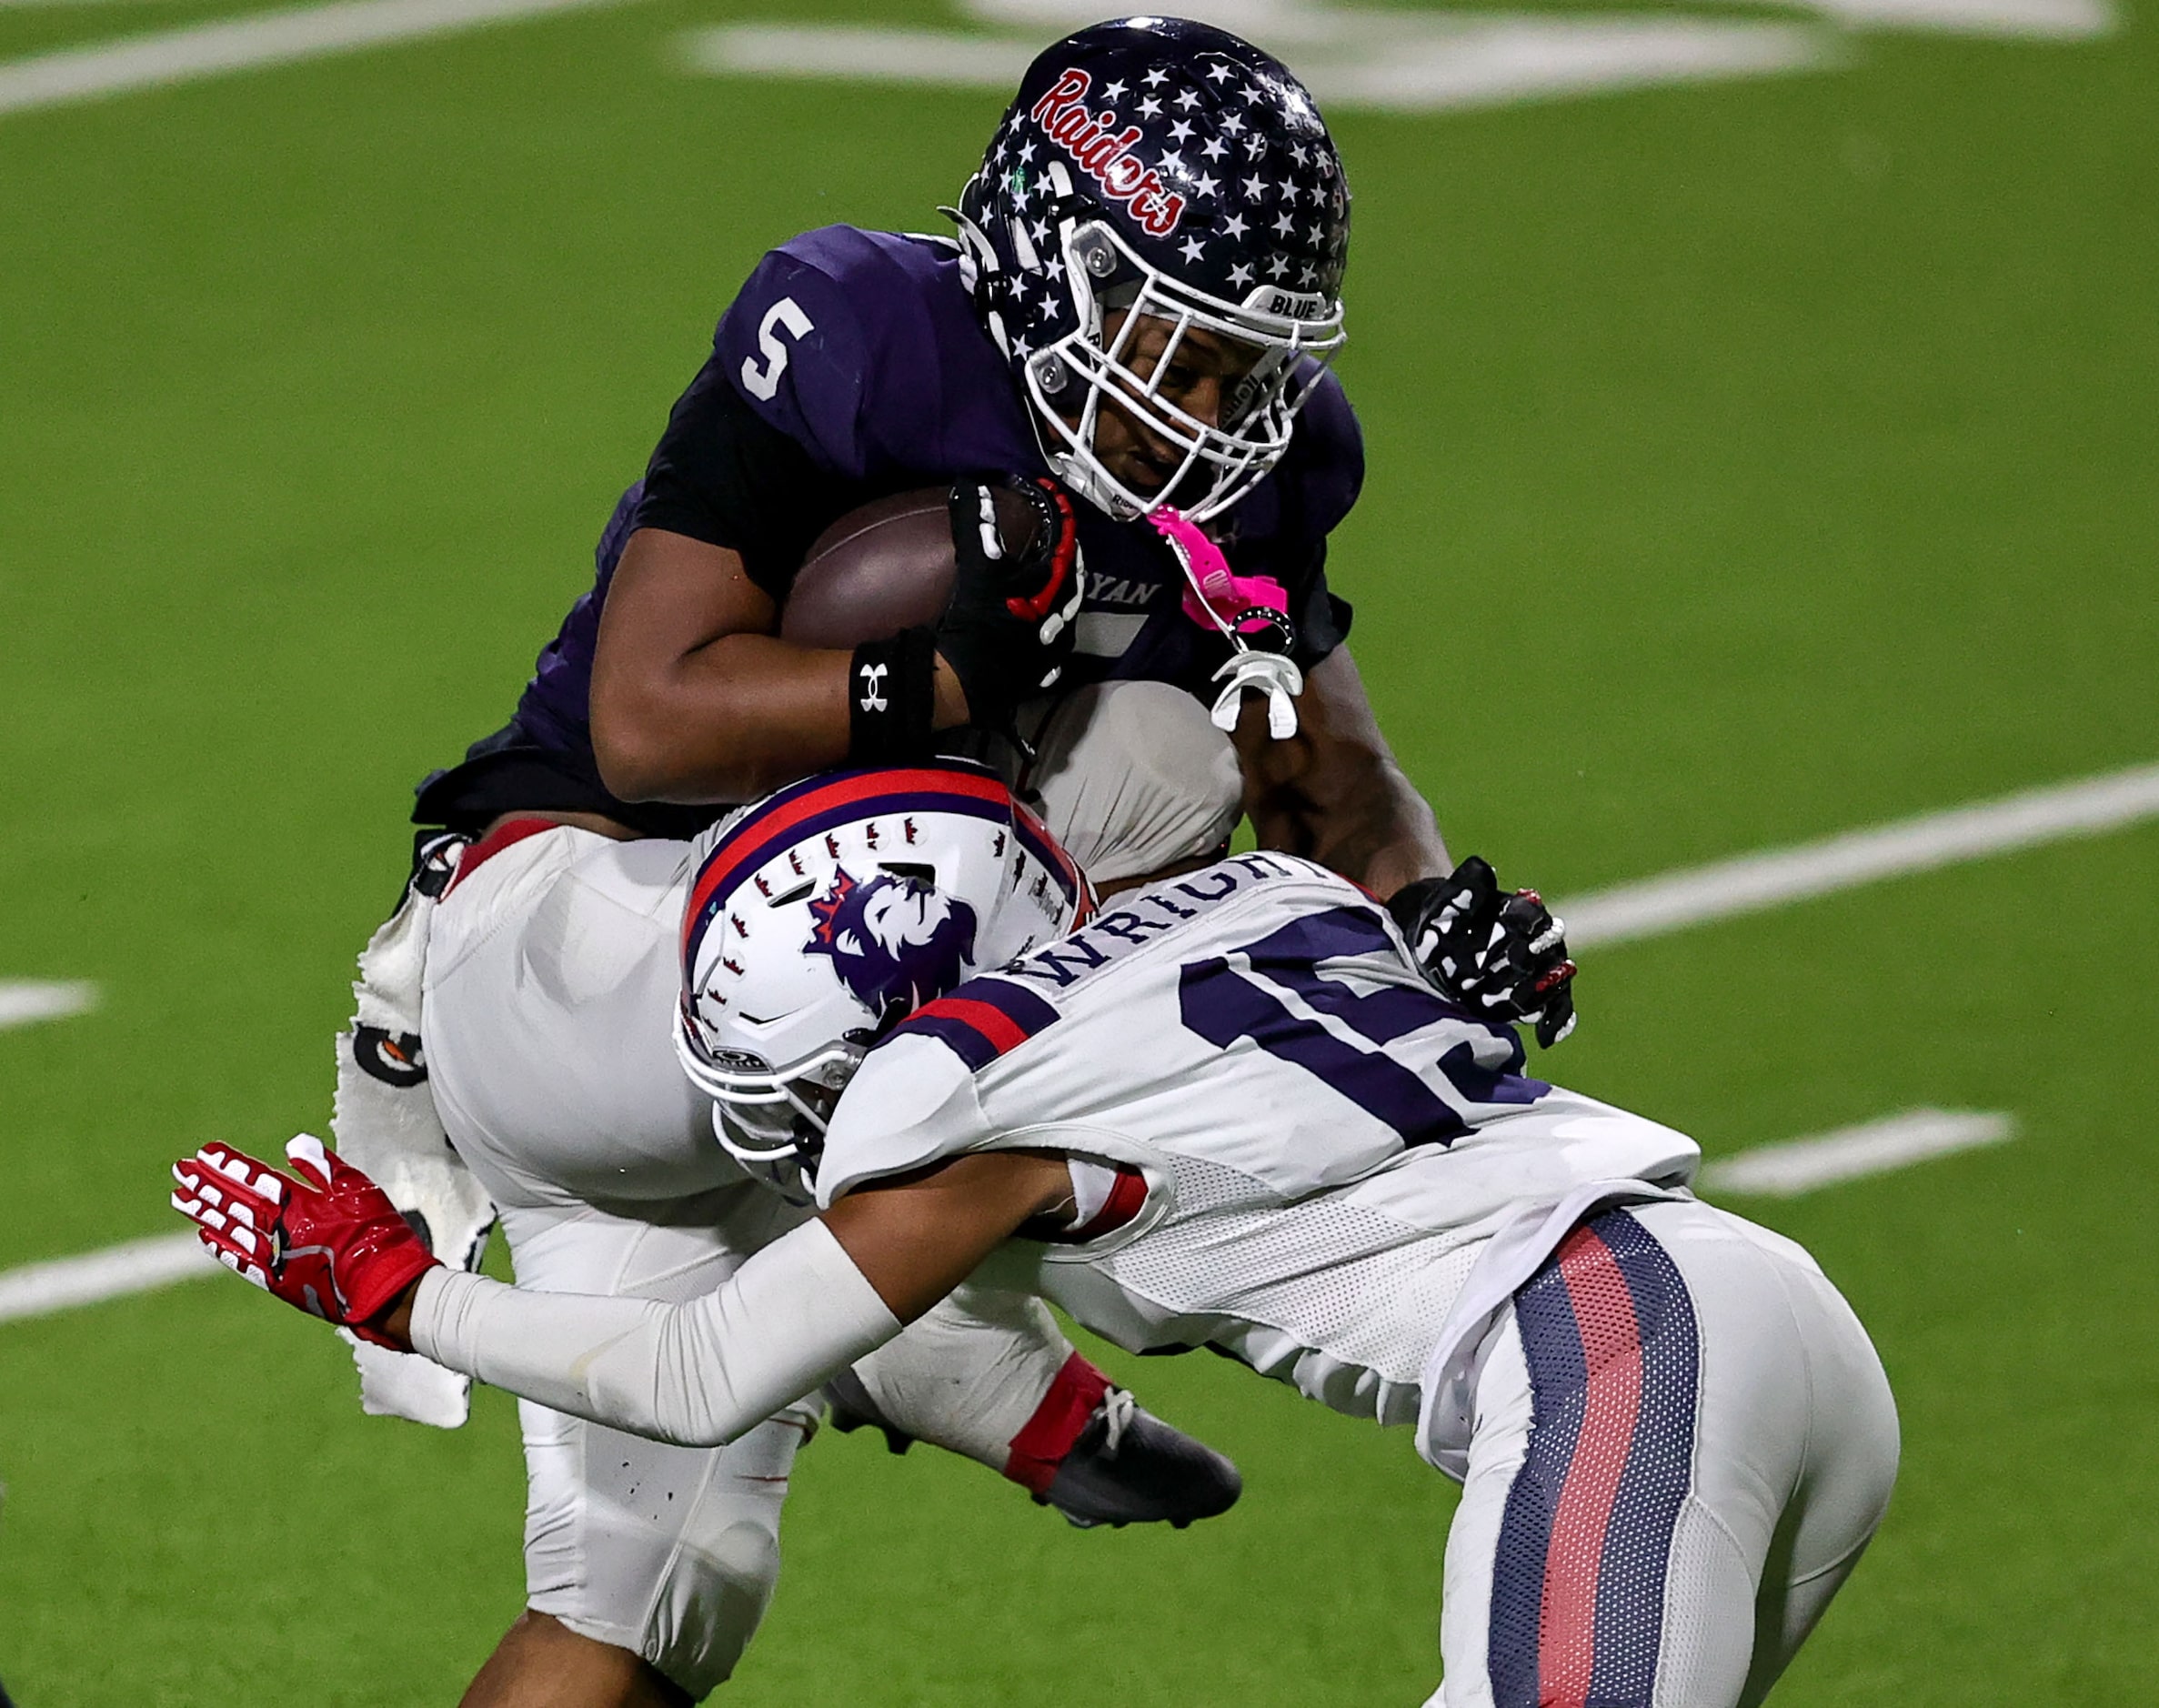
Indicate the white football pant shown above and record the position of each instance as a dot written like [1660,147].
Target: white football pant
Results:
[550,992]
[1682,1442]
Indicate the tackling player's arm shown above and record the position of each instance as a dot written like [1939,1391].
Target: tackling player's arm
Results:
[918,1236]
[326,1241]
[1333,792]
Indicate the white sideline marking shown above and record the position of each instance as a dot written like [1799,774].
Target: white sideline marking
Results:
[37,1289]
[1281,24]
[843,52]
[1753,883]
[25,1000]
[64,75]
[1417,64]
[2007,20]
[1852,1153]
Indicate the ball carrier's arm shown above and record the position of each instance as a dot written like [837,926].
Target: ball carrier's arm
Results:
[696,698]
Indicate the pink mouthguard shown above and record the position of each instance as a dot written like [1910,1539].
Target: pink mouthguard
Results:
[1214,595]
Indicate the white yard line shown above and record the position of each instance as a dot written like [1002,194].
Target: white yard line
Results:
[37,1289]
[1852,1153]
[63,76]
[67,6]
[1399,62]
[846,52]
[25,1000]
[2003,20]
[1753,883]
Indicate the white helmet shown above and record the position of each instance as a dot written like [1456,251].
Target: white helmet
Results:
[824,914]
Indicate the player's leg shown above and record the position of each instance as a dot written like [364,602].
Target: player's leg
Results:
[540,1663]
[1647,1427]
[663,1554]
[1132,778]
[549,988]
[1850,1467]
[1577,1539]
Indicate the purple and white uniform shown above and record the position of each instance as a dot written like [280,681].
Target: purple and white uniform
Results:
[1287,1148]
[851,366]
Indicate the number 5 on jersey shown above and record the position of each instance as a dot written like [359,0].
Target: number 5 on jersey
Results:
[761,380]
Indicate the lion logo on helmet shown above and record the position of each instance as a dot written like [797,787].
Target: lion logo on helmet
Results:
[894,940]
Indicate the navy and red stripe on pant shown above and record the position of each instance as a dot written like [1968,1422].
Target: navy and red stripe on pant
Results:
[1610,1341]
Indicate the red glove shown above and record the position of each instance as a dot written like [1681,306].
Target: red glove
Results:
[330,1242]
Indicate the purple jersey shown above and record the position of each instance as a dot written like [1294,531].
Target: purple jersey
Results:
[851,366]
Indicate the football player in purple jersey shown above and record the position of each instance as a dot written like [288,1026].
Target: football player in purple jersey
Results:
[1131,332]
[1141,300]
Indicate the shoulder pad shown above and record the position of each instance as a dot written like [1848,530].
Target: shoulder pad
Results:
[911,1103]
[817,332]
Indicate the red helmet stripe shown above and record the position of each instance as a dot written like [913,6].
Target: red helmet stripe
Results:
[770,830]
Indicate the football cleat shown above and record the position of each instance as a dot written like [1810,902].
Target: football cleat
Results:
[1128,1467]
[1124,1466]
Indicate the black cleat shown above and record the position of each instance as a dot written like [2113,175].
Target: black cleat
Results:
[1128,1467]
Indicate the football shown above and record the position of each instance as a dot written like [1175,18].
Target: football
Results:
[886,567]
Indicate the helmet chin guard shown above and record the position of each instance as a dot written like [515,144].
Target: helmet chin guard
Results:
[1159,171]
[826,913]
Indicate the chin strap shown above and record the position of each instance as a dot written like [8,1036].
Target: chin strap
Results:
[1237,607]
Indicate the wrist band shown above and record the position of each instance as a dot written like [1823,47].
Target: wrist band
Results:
[891,698]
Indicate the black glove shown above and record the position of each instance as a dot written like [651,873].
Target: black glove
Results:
[1498,954]
[1016,589]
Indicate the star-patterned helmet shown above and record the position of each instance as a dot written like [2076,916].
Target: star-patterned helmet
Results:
[1168,170]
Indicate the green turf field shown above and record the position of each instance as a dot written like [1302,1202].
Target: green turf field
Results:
[1747,462]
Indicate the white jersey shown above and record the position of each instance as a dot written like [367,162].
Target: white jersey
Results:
[1345,1176]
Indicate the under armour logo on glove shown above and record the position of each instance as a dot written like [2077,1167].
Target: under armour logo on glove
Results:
[324,1238]
[1499,955]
